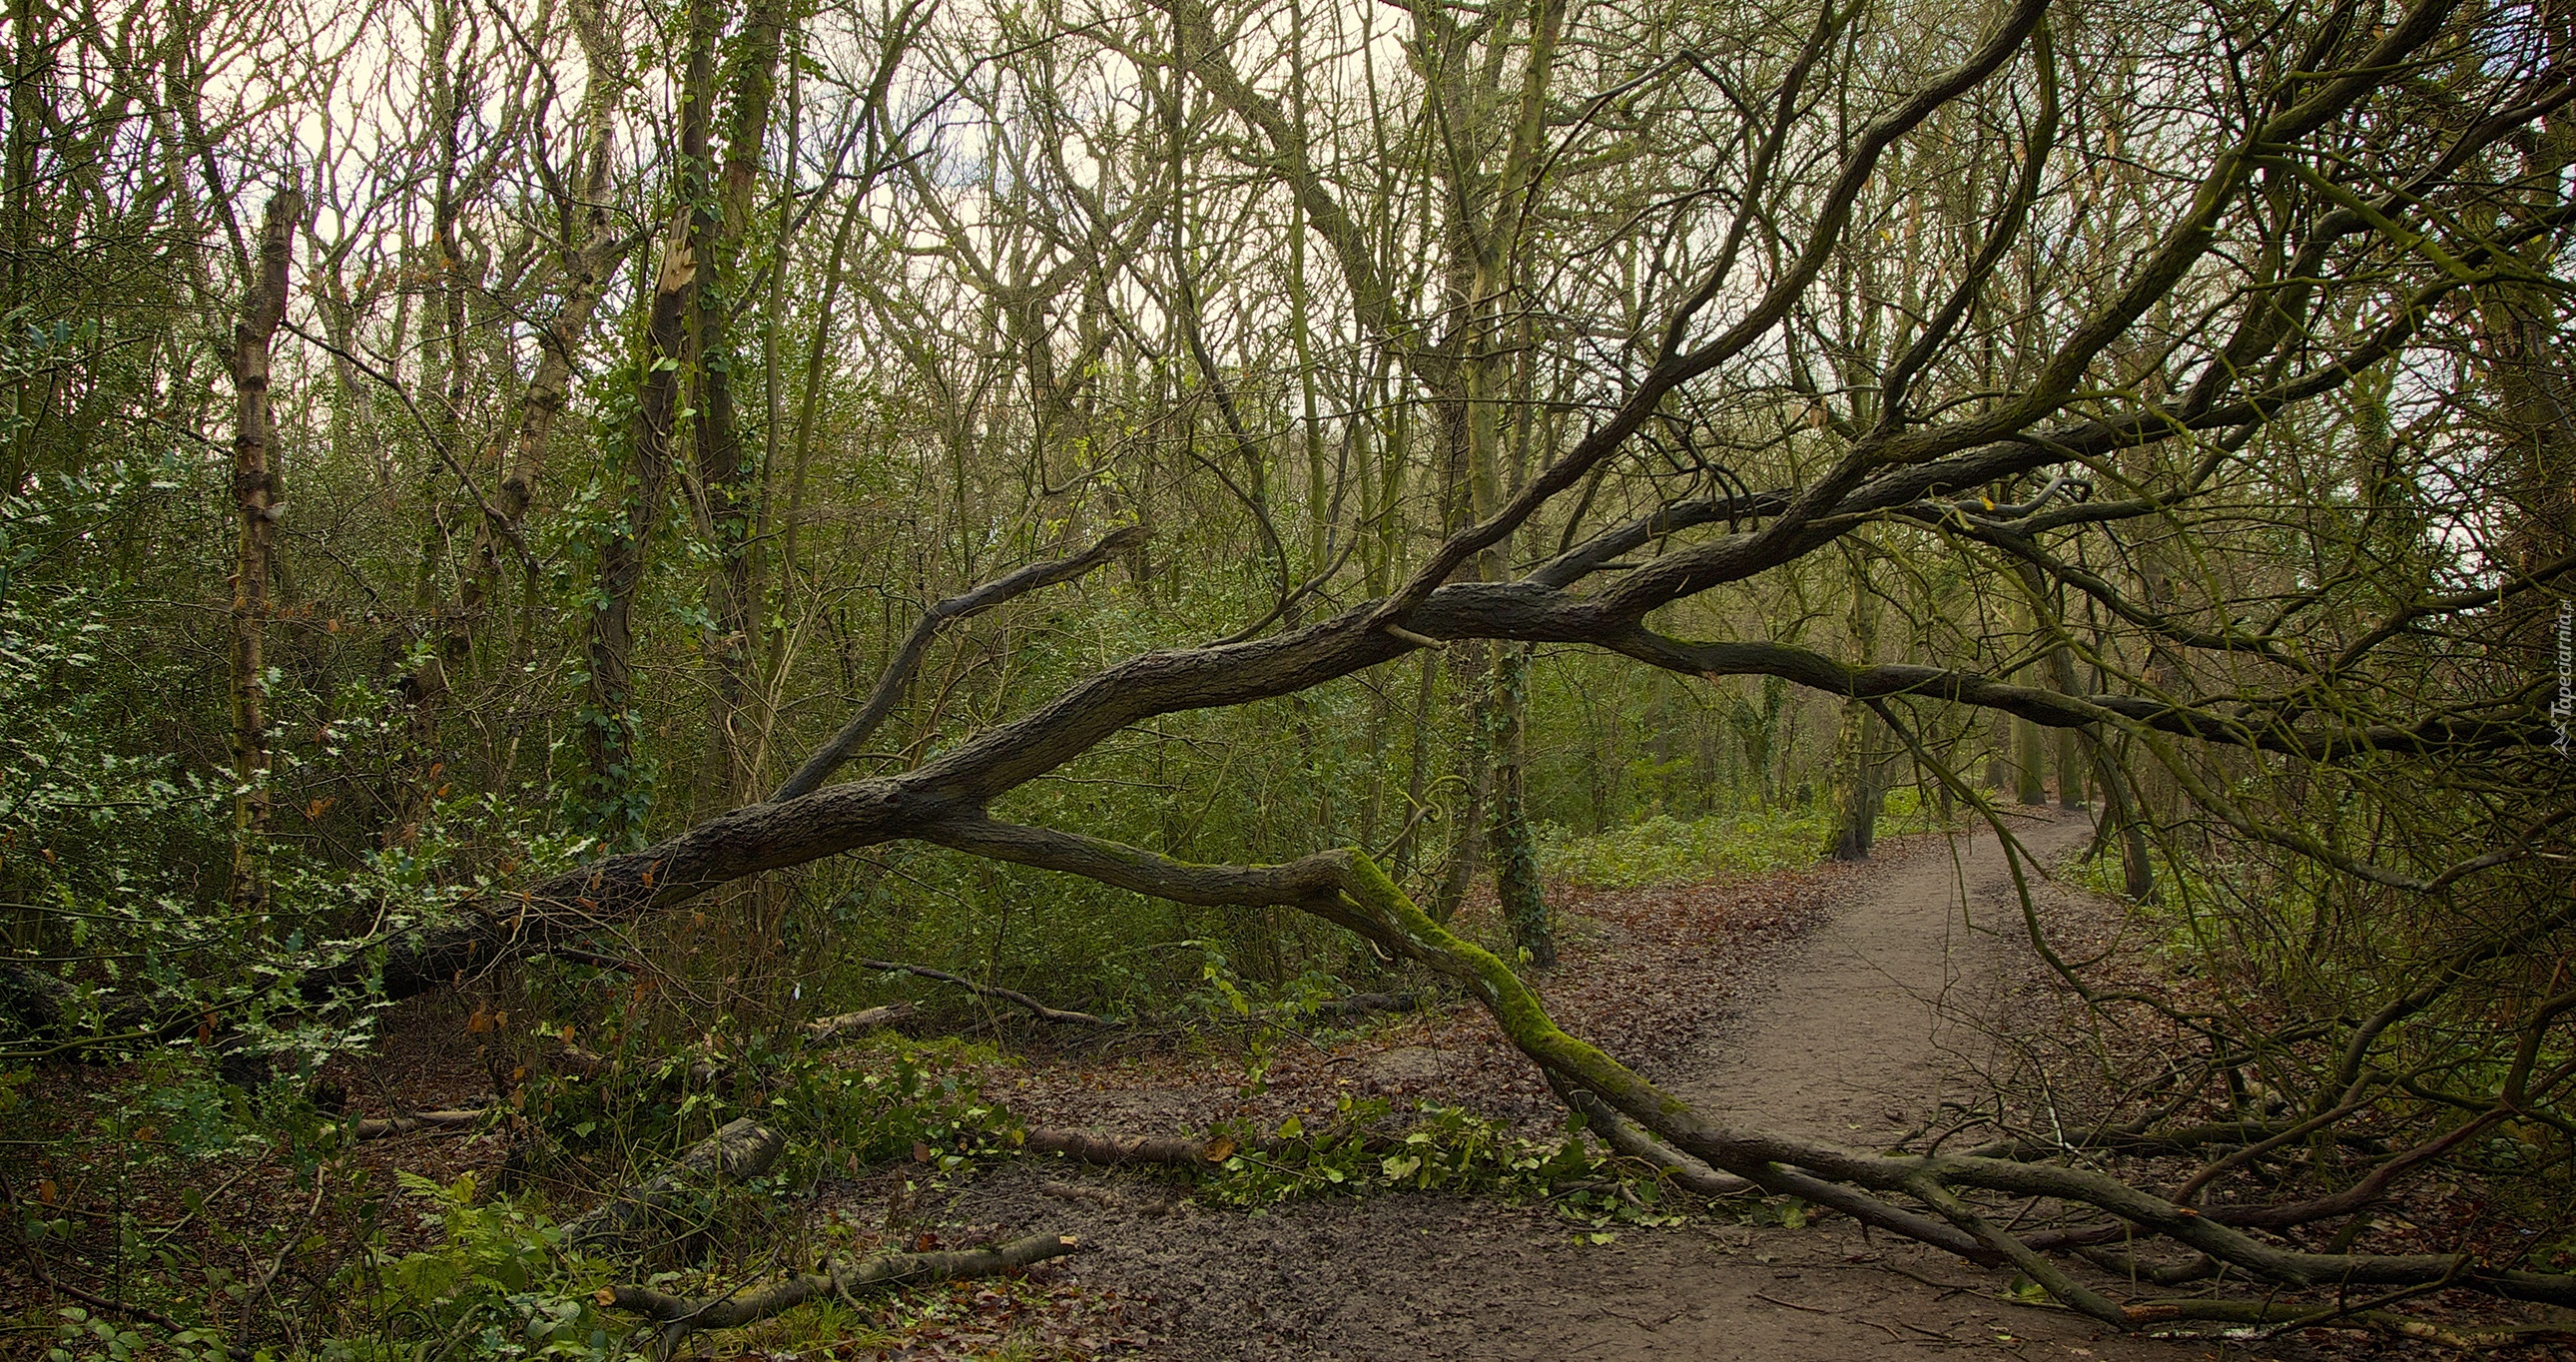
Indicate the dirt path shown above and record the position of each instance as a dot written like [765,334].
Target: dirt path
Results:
[1842,1040]
[1861,1035]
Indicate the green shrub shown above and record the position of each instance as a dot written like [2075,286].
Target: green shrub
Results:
[1666,850]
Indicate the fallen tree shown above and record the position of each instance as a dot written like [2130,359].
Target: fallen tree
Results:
[680,1316]
[625,1223]
[2274,279]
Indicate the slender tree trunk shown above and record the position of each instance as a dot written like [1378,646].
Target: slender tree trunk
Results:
[589,258]
[2120,817]
[1859,793]
[1515,849]
[1417,777]
[729,480]
[2030,773]
[1468,665]
[30,63]
[447,640]
[614,790]
[255,498]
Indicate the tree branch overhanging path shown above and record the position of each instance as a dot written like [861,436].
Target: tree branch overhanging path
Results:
[2264,357]
[2189,389]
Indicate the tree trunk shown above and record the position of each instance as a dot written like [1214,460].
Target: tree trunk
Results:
[729,482]
[255,498]
[1858,796]
[589,259]
[1859,792]
[1471,775]
[446,640]
[1515,850]
[2030,771]
[610,735]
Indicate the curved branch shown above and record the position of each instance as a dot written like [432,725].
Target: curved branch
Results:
[1854,1181]
[907,659]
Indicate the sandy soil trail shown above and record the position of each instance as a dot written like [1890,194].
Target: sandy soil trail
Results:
[1865,1028]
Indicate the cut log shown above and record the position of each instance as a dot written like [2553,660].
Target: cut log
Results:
[1361,1004]
[1111,1150]
[742,1149]
[681,1316]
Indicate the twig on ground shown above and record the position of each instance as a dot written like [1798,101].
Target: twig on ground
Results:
[1040,1010]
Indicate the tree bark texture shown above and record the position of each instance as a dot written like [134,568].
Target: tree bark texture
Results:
[258,509]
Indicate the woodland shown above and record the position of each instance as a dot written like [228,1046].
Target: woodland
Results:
[751,560]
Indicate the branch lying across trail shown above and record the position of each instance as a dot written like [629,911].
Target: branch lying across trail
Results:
[2062,412]
[1356,1005]
[1628,1139]
[907,659]
[1038,1009]
[1347,888]
[681,1316]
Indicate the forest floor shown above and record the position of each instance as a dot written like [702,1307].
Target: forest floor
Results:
[1862,1004]
[1871,1005]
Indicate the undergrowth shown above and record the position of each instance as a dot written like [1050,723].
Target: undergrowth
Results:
[1718,847]
[397,1266]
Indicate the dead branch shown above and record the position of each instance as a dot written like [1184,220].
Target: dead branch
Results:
[823,1030]
[1182,1151]
[1038,1009]
[2280,1317]
[1623,1135]
[405,1123]
[1362,1004]
[681,1316]
[1348,889]
[742,1149]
